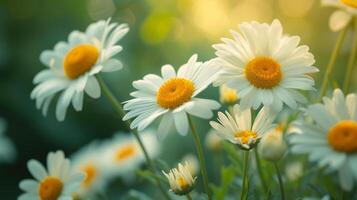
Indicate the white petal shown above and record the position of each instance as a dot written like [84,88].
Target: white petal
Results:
[92,88]
[112,65]
[37,170]
[168,72]
[181,122]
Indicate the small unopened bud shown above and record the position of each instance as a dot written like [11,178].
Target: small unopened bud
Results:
[272,146]
[212,141]
[227,96]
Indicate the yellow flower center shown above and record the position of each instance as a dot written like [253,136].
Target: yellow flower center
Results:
[352,3]
[343,136]
[182,182]
[91,172]
[79,60]
[50,188]
[245,136]
[175,92]
[263,72]
[125,152]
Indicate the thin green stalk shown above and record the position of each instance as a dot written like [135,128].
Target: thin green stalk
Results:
[332,62]
[243,194]
[282,193]
[188,196]
[119,109]
[200,157]
[351,61]
[260,171]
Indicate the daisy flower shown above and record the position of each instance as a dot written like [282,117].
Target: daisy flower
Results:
[238,129]
[122,155]
[72,66]
[7,148]
[57,182]
[87,160]
[341,17]
[330,138]
[180,179]
[172,96]
[265,66]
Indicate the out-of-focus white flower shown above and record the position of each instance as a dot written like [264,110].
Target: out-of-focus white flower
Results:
[73,65]
[122,155]
[239,129]
[59,181]
[272,146]
[331,138]
[294,170]
[172,97]
[341,17]
[213,141]
[7,148]
[193,164]
[87,160]
[265,66]
[227,95]
[180,179]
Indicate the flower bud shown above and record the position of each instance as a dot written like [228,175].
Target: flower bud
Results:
[213,142]
[227,95]
[180,179]
[272,146]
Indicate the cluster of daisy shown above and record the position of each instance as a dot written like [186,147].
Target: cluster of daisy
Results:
[87,172]
[261,71]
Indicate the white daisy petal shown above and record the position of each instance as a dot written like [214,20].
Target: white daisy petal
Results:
[37,170]
[181,122]
[92,88]
[339,20]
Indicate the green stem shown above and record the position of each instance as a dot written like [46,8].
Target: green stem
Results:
[280,181]
[351,61]
[119,109]
[188,196]
[243,194]
[260,171]
[200,157]
[331,64]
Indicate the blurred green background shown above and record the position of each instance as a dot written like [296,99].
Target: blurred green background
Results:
[161,32]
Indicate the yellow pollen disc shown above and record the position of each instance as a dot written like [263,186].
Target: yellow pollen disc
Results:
[182,182]
[175,92]
[91,173]
[343,136]
[50,188]
[125,152]
[352,3]
[79,60]
[244,136]
[263,72]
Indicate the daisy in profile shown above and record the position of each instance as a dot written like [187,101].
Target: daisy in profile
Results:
[341,17]
[265,66]
[122,155]
[180,179]
[87,160]
[331,139]
[239,129]
[57,182]
[172,96]
[7,148]
[73,64]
